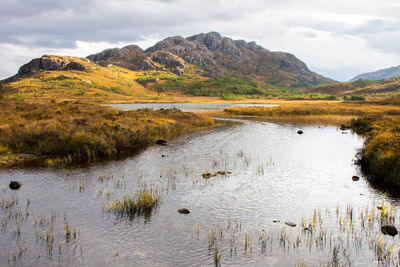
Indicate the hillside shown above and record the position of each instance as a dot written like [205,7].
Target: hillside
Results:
[212,55]
[379,74]
[72,78]
[375,89]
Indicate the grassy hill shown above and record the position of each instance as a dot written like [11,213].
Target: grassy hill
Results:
[94,84]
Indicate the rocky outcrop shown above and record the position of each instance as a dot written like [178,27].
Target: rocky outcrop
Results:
[130,57]
[48,62]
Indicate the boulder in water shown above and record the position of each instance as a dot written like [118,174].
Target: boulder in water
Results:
[184,211]
[15,185]
[389,230]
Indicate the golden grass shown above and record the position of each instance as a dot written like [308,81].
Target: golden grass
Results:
[318,112]
[146,200]
[95,84]
[74,132]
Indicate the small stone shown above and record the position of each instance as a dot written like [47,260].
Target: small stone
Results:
[291,224]
[161,142]
[184,211]
[15,185]
[300,132]
[355,178]
[389,230]
[276,221]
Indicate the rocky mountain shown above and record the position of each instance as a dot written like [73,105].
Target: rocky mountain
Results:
[379,74]
[211,54]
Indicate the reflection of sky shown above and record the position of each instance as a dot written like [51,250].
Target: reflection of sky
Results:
[276,175]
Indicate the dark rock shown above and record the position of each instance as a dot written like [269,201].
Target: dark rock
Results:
[300,132]
[161,142]
[355,178]
[389,230]
[184,211]
[15,185]
[291,224]
[163,156]
[74,66]
[276,221]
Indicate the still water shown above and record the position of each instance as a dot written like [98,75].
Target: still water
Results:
[277,175]
[190,107]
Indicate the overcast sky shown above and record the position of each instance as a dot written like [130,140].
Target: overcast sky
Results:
[336,38]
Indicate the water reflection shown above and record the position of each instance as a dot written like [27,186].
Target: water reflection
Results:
[276,175]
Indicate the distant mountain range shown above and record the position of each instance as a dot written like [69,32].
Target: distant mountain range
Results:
[379,74]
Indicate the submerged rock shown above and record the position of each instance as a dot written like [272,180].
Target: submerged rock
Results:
[15,185]
[300,132]
[161,142]
[389,230]
[184,211]
[291,224]
[355,178]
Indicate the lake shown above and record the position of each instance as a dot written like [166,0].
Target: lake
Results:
[277,176]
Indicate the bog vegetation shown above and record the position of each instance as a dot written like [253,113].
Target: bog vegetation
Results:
[76,132]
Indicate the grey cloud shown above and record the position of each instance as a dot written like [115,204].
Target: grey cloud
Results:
[59,24]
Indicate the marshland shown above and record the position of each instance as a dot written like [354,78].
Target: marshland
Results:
[123,211]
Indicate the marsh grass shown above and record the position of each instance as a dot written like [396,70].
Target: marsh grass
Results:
[68,132]
[144,202]
[326,238]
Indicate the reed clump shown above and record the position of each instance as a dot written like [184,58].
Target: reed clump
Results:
[146,200]
[70,132]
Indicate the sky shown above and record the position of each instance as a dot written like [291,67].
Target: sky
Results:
[336,38]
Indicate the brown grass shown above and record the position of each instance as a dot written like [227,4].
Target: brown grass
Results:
[79,132]
[318,112]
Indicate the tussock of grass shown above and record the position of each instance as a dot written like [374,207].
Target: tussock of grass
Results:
[75,132]
[145,201]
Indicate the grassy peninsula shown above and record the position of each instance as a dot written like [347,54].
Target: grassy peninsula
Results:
[70,131]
